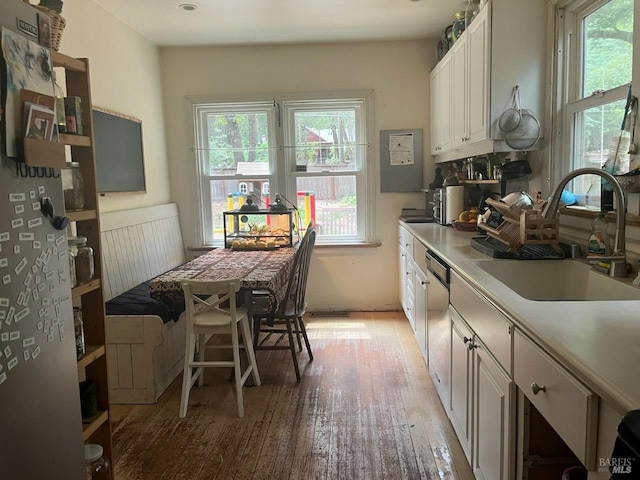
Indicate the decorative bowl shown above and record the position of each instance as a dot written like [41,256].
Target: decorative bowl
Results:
[465,226]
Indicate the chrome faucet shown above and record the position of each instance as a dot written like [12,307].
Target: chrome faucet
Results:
[618,258]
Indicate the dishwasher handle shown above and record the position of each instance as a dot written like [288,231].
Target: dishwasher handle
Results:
[438,267]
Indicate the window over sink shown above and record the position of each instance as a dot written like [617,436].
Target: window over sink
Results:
[594,65]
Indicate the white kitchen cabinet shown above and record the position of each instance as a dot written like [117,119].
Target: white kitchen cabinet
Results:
[406,267]
[459,408]
[441,107]
[568,405]
[482,405]
[504,46]
[420,309]
[477,87]
[459,112]
[493,411]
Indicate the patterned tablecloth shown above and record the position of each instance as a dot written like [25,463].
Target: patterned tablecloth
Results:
[259,270]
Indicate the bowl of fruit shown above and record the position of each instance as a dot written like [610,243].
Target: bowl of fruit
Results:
[467,221]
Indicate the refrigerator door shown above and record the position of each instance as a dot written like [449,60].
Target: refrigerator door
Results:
[40,420]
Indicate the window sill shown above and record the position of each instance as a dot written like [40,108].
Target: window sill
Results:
[330,246]
[584,212]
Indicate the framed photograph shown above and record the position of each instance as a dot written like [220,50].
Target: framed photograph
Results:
[44,29]
[40,122]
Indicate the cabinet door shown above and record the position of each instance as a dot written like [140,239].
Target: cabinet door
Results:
[461,381]
[420,309]
[493,414]
[444,104]
[402,263]
[436,106]
[459,94]
[478,35]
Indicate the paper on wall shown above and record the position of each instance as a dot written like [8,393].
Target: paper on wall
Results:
[401,149]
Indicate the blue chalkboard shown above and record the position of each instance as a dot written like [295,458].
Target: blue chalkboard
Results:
[119,153]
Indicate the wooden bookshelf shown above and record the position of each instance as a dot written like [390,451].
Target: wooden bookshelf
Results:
[89,297]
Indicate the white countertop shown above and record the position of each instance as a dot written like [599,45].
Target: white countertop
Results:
[598,341]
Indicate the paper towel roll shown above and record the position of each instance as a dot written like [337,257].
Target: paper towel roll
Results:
[454,203]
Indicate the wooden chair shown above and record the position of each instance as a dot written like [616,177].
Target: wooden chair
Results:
[291,310]
[215,315]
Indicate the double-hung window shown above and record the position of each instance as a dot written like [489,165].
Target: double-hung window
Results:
[312,151]
[594,68]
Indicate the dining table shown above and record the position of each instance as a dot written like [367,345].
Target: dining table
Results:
[262,271]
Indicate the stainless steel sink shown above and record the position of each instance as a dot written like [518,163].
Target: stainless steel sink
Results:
[564,280]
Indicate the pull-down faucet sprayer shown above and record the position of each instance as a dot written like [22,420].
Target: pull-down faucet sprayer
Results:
[618,258]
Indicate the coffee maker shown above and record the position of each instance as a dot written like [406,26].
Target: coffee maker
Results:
[514,177]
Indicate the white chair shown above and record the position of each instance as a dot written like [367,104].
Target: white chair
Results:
[215,315]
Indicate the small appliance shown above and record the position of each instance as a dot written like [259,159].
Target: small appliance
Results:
[448,202]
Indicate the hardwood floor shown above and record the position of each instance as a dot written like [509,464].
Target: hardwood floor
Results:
[365,408]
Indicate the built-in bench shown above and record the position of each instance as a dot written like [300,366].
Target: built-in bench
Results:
[144,350]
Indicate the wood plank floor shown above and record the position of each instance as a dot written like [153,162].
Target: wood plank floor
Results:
[365,408]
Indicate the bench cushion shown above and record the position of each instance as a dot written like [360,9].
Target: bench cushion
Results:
[137,301]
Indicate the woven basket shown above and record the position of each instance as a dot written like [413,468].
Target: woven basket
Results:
[57,26]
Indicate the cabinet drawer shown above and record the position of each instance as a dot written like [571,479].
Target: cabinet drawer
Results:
[419,252]
[488,323]
[569,407]
[406,240]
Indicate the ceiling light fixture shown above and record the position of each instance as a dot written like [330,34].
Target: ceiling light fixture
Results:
[187,7]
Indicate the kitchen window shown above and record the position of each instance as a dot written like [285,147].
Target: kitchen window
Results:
[594,64]
[312,151]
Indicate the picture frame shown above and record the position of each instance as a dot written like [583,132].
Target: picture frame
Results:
[40,121]
[44,29]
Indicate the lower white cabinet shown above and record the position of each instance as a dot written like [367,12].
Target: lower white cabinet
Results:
[569,406]
[482,407]
[405,263]
[493,414]
[459,408]
[420,308]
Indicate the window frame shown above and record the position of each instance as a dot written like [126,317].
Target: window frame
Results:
[283,174]
[567,67]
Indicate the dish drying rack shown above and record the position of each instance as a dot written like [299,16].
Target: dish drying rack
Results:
[522,227]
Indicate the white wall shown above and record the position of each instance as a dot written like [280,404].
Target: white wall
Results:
[125,78]
[397,72]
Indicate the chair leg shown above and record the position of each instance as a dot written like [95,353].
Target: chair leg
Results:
[237,369]
[292,347]
[248,347]
[298,331]
[201,352]
[186,374]
[303,329]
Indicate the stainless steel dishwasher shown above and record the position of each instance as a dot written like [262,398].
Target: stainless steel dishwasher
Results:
[438,323]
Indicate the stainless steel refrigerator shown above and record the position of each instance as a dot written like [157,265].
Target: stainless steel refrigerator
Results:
[40,419]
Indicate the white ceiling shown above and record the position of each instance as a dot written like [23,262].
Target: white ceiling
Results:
[240,22]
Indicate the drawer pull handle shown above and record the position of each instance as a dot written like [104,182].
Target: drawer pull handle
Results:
[535,388]
[466,339]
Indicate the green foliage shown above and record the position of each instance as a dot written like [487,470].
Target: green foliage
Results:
[607,64]
[347,201]
[237,138]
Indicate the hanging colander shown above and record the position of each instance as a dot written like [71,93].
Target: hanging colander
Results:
[511,117]
[526,134]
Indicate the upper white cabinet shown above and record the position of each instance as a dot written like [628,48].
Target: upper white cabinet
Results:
[504,46]
[441,107]
[460,93]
